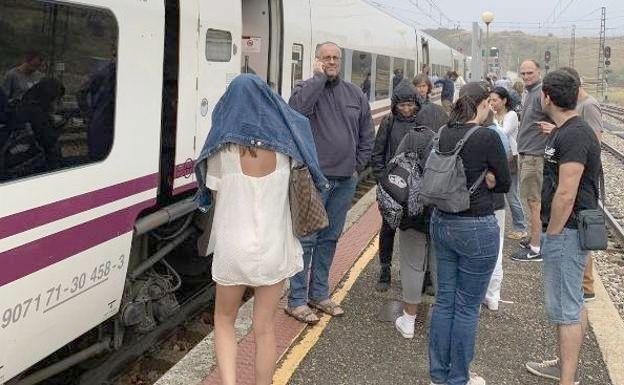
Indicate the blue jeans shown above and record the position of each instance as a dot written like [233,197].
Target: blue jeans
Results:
[564,264]
[513,200]
[319,248]
[466,250]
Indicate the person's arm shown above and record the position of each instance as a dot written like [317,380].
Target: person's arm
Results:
[497,162]
[593,116]
[306,94]
[378,158]
[510,124]
[570,174]
[366,135]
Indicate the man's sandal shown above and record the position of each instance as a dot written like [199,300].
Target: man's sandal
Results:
[306,315]
[328,307]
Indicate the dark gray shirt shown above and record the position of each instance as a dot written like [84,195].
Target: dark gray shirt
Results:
[341,122]
[531,141]
[16,83]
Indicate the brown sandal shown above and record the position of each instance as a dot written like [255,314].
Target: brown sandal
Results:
[328,307]
[306,315]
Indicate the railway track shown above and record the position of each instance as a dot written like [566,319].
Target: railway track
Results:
[615,112]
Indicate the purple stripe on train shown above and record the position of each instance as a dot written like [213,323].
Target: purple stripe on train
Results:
[41,253]
[29,219]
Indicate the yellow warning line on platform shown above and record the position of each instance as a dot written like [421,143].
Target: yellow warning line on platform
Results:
[298,352]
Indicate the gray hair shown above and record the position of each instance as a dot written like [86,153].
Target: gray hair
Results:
[317,53]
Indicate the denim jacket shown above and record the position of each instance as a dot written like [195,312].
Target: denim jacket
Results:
[251,114]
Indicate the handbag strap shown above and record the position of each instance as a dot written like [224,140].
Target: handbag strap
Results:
[601,188]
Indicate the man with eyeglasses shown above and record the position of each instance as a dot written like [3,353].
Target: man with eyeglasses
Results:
[531,145]
[342,127]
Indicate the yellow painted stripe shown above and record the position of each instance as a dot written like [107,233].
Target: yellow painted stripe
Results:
[298,352]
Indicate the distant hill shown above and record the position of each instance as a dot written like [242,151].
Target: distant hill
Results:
[514,46]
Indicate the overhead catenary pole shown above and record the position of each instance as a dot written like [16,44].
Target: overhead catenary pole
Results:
[573,45]
[600,85]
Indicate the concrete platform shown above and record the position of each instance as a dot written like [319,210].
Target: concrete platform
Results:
[360,349]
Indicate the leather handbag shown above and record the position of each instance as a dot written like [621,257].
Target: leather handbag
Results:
[306,206]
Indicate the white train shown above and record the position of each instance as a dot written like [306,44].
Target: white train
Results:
[96,158]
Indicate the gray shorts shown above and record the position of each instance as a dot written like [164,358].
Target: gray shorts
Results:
[564,264]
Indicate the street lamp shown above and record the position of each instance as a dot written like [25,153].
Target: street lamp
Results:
[487,18]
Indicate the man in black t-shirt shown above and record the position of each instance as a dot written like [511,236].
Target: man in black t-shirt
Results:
[572,169]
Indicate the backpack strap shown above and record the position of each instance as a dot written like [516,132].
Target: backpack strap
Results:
[436,139]
[458,146]
[464,139]
[478,182]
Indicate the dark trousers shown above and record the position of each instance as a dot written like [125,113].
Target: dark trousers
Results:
[386,243]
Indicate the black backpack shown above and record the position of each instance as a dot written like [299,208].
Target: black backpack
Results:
[398,190]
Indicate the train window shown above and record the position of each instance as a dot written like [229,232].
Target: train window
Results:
[218,45]
[411,69]
[57,86]
[297,64]
[382,78]
[398,65]
[361,65]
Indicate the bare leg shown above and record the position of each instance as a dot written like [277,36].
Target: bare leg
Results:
[265,305]
[228,301]
[570,342]
[536,222]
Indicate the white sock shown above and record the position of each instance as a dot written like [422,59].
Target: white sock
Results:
[535,249]
[408,317]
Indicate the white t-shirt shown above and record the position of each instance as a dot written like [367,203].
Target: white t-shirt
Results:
[509,126]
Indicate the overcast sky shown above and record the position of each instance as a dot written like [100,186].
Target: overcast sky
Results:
[532,16]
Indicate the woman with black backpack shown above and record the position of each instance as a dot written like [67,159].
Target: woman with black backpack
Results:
[405,107]
[403,143]
[465,234]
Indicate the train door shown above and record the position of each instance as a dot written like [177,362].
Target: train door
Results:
[262,40]
[78,166]
[297,58]
[187,51]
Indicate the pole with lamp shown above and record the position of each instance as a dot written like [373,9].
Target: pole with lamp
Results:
[487,18]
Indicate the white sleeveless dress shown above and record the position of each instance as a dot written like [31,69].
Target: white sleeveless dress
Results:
[251,236]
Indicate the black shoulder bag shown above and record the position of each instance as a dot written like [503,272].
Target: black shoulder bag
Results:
[592,225]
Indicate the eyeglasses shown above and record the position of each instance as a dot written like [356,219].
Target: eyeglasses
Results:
[330,58]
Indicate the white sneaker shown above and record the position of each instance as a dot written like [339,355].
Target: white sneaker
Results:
[475,380]
[404,327]
[492,305]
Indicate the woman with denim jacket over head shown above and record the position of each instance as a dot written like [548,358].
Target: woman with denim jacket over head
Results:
[246,161]
[466,243]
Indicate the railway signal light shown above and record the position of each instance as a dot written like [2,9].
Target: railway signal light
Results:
[607,52]
[547,56]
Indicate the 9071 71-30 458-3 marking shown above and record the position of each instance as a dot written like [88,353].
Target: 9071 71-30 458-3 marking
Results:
[61,293]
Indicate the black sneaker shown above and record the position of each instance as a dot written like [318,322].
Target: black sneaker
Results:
[523,255]
[525,242]
[384,279]
[588,297]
